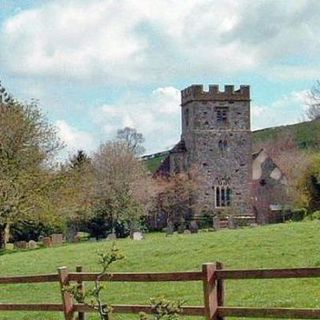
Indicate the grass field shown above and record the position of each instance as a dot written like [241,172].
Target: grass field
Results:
[277,246]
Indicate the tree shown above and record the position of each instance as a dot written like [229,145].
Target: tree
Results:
[309,185]
[313,111]
[71,192]
[132,139]
[79,160]
[121,185]
[176,194]
[27,143]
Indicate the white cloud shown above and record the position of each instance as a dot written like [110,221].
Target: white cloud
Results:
[288,109]
[157,117]
[128,41]
[74,138]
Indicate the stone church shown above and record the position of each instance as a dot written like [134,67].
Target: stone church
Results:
[216,138]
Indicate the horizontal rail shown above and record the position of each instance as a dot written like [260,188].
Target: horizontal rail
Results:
[120,308]
[269,273]
[287,313]
[29,279]
[169,276]
[31,307]
[138,277]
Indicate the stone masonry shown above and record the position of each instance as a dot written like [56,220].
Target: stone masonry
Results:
[216,138]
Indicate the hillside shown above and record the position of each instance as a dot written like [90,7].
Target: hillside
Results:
[302,136]
[305,135]
[282,245]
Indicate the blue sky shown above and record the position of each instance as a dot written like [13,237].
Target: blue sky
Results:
[100,65]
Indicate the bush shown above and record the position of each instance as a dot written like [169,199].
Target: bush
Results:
[206,221]
[314,216]
[298,214]
[31,230]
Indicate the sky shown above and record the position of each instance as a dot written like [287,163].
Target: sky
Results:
[96,66]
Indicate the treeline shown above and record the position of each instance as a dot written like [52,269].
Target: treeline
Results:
[110,191]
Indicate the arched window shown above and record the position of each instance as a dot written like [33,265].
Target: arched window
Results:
[223,196]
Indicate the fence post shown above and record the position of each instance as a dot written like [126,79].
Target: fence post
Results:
[81,315]
[67,299]
[213,290]
[220,289]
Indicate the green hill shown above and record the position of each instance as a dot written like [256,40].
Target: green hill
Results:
[304,135]
[272,246]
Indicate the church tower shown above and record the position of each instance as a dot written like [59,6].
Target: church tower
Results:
[216,137]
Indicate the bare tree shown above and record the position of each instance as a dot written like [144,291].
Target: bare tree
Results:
[313,111]
[132,139]
[175,195]
[121,182]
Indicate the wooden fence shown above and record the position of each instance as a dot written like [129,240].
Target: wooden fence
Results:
[212,276]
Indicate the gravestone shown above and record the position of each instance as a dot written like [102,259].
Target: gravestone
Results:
[9,246]
[111,236]
[32,244]
[194,227]
[21,244]
[216,223]
[169,229]
[137,235]
[77,237]
[231,223]
[187,232]
[47,242]
[57,239]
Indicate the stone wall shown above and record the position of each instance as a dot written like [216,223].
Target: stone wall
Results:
[217,139]
[269,189]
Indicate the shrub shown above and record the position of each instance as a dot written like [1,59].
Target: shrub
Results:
[32,230]
[314,215]
[299,214]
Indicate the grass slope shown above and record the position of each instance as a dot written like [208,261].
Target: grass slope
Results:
[154,163]
[305,134]
[283,245]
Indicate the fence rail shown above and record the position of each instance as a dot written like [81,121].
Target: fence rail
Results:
[212,276]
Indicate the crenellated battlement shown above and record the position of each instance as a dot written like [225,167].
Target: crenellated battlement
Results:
[196,92]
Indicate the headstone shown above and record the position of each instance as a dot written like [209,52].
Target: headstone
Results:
[47,242]
[186,232]
[9,246]
[77,237]
[32,244]
[231,223]
[71,232]
[137,235]
[182,225]
[92,239]
[216,223]
[21,244]
[111,236]
[169,229]
[194,227]
[57,239]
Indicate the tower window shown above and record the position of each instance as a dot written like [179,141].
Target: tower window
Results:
[222,115]
[223,196]
[186,113]
[223,145]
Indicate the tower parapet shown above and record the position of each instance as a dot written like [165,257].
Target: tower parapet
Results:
[196,93]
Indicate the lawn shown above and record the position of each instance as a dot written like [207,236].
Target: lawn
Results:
[276,246]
